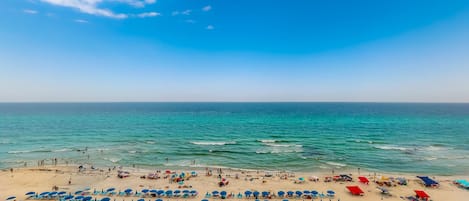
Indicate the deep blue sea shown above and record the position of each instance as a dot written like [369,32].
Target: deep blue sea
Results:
[394,137]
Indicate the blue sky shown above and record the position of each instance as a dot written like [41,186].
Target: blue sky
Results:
[243,50]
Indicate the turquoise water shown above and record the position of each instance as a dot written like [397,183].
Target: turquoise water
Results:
[422,138]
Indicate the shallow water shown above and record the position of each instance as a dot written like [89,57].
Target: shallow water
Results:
[421,138]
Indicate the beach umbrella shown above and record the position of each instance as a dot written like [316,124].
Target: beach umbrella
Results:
[169,192]
[128,190]
[281,193]
[285,200]
[299,193]
[79,197]
[160,192]
[78,192]
[86,189]
[110,189]
[52,193]
[256,193]
[61,193]
[68,197]
[247,193]
[11,198]
[106,199]
[87,198]
[145,191]
[177,191]
[314,192]
[265,193]
[141,199]
[331,192]
[158,200]
[306,192]
[290,193]
[215,192]
[223,193]
[204,200]
[44,193]
[30,193]
[185,191]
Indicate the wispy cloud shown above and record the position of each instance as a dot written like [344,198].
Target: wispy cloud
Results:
[87,6]
[190,21]
[81,21]
[149,14]
[207,8]
[186,12]
[136,3]
[210,27]
[29,11]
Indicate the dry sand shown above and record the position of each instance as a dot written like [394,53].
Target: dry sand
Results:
[43,179]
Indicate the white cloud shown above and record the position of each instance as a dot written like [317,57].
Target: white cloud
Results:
[81,21]
[186,12]
[210,27]
[87,6]
[136,3]
[207,8]
[28,11]
[149,14]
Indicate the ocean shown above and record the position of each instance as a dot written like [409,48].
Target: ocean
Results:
[391,137]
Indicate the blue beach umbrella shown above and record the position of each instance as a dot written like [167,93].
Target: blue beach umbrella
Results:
[11,198]
[145,191]
[223,193]
[285,200]
[256,193]
[204,200]
[247,193]
[290,193]
[78,192]
[215,192]
[193,192]
[299,193]
[141,199]
[79,197]
[106,199]
[281,193]
[160,192]
[30,193]
[265,193]
[177,191]
[110,189]
[314,192]
[68,197]
[169,192]
[61,193]
[128,190]
[52,193]
[185,191]
[158,200]
[87,198]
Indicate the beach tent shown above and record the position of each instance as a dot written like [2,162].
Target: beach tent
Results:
[421,194]
[364,180]
[355,190]
[428,182]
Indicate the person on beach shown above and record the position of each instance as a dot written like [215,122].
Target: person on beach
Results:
[70,181]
